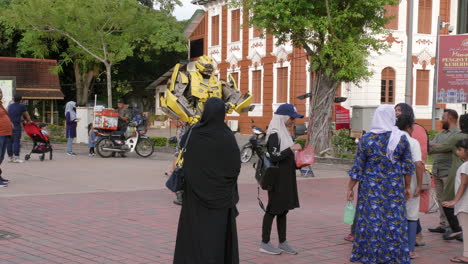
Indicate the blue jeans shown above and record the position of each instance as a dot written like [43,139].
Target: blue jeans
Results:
[412,227]
[3,145]
[69,145]
[13,145]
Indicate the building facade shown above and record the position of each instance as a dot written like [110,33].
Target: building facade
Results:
[278,74]
[33,80]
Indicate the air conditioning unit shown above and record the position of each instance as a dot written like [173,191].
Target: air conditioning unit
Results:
[233,125]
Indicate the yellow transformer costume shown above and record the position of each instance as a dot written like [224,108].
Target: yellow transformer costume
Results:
[187,92]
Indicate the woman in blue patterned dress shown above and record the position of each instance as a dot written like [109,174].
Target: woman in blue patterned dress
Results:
[382,167]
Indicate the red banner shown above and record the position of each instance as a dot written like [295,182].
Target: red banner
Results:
[342,118]
[452,86]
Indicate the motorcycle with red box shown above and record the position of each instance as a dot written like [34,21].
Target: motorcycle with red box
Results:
[110,141]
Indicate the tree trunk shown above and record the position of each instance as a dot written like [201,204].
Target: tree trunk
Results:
[109,84]
[321,103]
[83,83]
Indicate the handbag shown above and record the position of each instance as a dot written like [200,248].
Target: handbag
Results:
[426,180]
[349,213]
[176,181]
[305,157]
[266,172]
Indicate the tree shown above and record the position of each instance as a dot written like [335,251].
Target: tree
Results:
[338,36]
[166,5]
[95,30]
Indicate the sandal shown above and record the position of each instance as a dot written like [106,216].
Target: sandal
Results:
[458,235]
[457,260]
[349,238]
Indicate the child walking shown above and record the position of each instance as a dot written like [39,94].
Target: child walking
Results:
[461,198]
[91,139]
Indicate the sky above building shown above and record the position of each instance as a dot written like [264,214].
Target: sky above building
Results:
[186,10]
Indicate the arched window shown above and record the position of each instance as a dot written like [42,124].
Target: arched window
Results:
[387,86]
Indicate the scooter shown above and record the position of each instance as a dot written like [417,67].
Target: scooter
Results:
[110,143]
[257,140]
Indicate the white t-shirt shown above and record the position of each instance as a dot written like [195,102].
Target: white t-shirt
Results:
[462,205]
[412,205]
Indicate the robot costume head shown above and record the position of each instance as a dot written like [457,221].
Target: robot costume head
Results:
[205,65]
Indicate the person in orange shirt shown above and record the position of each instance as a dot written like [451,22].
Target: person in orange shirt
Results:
[6,129]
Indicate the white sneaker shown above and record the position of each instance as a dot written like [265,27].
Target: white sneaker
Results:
[10,159]
[18,160]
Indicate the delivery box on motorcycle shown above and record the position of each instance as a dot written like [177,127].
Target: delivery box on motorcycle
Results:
[108,119]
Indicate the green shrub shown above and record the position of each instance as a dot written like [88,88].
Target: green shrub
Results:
[59,139]
[159,141]
[56,131]
[343,144]
[431,134]
[301,141]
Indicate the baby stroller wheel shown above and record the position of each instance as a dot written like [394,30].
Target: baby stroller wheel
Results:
[27,157]
[50,155]
[42,157]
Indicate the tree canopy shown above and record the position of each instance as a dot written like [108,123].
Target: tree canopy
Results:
[96,31]
[338,36]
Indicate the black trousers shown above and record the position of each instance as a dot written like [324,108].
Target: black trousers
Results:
[280,224]
[452,219]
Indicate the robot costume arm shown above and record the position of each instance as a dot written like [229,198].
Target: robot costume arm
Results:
[174,103]
[234,99]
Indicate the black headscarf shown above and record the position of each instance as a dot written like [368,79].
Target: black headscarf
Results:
[212,160]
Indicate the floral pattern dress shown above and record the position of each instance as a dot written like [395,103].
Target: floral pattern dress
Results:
[381,229]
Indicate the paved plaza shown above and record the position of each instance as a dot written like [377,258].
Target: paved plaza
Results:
[91,210]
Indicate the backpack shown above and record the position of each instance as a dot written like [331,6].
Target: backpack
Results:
[266,172]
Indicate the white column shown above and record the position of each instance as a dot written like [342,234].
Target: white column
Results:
[85,116]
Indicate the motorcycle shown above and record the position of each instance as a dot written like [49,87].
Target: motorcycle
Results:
[111,142]
[256,141]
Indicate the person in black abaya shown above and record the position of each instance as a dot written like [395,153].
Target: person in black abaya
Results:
[207,232]
[283,197]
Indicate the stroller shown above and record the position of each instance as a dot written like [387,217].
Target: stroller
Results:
[41,142]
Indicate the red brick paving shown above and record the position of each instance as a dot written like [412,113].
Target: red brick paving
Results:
[140,227]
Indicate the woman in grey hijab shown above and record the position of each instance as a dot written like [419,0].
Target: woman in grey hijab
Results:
[71,120]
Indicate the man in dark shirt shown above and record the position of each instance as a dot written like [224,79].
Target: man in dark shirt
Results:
[124,115]
[16,111]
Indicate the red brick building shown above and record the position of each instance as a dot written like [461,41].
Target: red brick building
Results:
[278,74]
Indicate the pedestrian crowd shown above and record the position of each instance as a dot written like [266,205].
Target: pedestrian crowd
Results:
[390,170]
[15,115]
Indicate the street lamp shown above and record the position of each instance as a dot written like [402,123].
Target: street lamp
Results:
[337,99]
[440,25]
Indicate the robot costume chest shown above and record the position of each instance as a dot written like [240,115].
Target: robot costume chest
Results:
[205,88]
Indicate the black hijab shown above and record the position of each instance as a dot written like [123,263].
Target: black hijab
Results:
[212,159]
